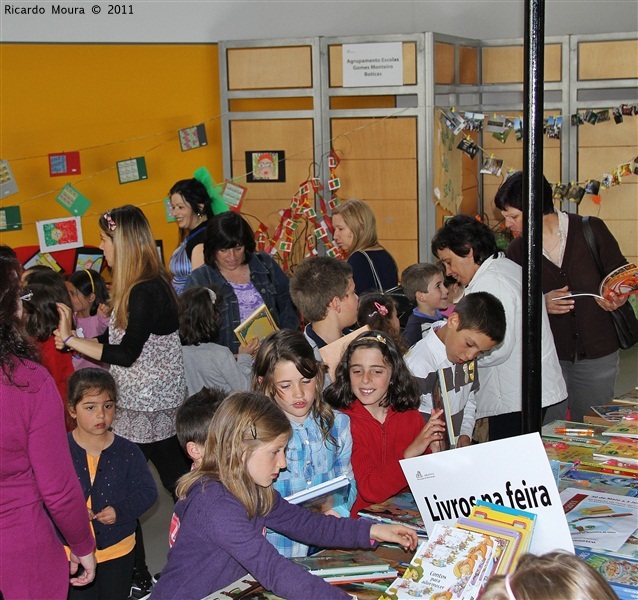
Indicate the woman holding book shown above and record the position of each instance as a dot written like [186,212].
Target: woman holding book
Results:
[246,279]
[584,332]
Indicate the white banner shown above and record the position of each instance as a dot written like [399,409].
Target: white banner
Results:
[514,472]
[368,65]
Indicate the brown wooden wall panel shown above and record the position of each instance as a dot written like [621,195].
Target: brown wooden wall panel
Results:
[395,220]
[443,63]
[608,60]
[269,68]
[335,54]
[504,64]
[356,102]
[608,134]
[405,252]
[259,104]
[468,65]
[375,179]
[374,138]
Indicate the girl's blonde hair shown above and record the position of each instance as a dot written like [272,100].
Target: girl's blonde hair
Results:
[135,255]
[359,219]
[243,422]
[287,345]
[556,575]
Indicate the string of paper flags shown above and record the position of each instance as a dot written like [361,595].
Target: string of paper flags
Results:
[502,126]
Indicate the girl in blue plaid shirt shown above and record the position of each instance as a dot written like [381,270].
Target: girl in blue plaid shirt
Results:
[287,371]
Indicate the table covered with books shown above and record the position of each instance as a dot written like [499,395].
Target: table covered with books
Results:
[595,468]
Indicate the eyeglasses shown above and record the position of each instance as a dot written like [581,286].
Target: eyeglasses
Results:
[26,297]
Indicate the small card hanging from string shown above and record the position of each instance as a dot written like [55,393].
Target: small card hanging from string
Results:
[575,193]
[8,184]
[577,119]
[560,191]
[468,146]
[233,194]
[518,128]
[492,166]
[133,169]
[76,203]
[592,187]
[64,163]
[618,118]
[452,120]
[193,137]
[474,121]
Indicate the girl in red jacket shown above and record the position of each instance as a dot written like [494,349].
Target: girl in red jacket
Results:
[377,391]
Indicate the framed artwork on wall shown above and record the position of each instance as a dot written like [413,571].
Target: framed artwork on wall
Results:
[263,166]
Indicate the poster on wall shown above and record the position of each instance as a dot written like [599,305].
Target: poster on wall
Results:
[59,234]
[264,166]
[368,65]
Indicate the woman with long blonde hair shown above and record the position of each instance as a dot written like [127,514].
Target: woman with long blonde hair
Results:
[355,234]
[142,343]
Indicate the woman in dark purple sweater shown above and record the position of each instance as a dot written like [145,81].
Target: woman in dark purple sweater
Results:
[228,502]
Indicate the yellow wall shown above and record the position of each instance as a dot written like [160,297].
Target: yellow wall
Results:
[60,98]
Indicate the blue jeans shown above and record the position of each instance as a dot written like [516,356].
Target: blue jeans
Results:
[590,382]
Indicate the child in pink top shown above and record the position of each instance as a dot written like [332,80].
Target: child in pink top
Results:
[89,297]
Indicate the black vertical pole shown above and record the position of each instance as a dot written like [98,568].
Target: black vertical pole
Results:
[533,209]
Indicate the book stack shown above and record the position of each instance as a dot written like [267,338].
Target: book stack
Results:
[346,567]
[458,560]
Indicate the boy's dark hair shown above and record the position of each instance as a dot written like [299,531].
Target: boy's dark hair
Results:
[7,252]
[482,312]
[463,233]
[194,415]
[87,282]
[199,316]
[90,381]
[510,194]
[315,282]
[403,392]
[416,278]
[228,230]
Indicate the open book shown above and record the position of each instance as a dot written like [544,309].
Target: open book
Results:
[622,282]
[258,325]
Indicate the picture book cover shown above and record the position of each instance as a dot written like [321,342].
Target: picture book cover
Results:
[625,450]
[621,572]
[342,563]
[448,566]
[505,540]
[508,518]
[628,427]
[614,412]
[628,486]
[258,325]
[599,521]
[623,282]
[565,451]
[401,509]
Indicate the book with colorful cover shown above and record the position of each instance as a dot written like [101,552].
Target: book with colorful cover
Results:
[614,412]
[259,324]
[400,509]
[601,482]
[449,564]
[597,521]
[557,430]
[610,467]
[567,452]
[622,281]
[621,573]
[505,540]
[627,428]
[623,450]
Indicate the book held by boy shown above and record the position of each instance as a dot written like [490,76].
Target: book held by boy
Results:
[258,325]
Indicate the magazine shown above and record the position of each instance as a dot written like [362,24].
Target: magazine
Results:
[621,573]
[614,412]
[627,428]
[623,282]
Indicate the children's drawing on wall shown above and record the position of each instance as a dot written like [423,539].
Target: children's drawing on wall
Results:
[265,165]
[59,234]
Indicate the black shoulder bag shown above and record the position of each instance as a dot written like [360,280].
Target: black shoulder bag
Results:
[624,318]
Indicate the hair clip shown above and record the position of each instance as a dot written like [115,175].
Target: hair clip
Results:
[109,221]
[253,431]
[383,310]
[380,338]
[508,588]
[26,297]
[213,295]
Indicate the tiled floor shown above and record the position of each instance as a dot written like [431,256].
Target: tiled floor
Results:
[156,522]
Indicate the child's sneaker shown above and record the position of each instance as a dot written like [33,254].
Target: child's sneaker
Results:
[141,585]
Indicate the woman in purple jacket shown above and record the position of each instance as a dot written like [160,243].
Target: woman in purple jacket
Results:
[39,490]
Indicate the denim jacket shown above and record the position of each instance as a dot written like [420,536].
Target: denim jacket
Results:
[269,280]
